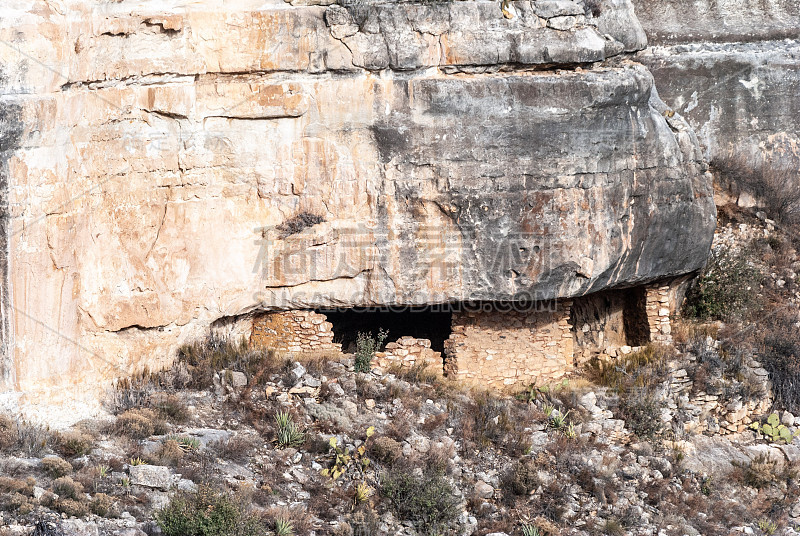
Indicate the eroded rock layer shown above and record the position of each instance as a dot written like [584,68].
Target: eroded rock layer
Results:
[732,69]
[167,168]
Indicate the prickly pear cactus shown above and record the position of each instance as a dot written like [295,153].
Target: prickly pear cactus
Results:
[774,430]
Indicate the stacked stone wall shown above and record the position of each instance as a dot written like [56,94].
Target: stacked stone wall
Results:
[659,308]
[599,325]
[502,348]
[294,331]
[407,352]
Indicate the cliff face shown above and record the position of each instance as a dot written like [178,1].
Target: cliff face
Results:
[732,68]
[151,156]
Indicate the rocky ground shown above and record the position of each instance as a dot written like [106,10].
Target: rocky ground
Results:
[240,441]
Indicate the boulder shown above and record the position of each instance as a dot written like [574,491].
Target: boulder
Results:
[151,476]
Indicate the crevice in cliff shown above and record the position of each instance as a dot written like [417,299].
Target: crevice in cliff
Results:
[158,231]
[321,280]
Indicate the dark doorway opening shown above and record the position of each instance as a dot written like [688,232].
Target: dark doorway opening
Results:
[637,328]
[432,323]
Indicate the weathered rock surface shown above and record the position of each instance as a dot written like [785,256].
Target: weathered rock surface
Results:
[149,153]
[731,68]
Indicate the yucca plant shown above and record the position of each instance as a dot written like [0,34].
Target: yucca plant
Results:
[362,493]
[288,433]
[283,527]
[103,470]
[184,442]
[530,530]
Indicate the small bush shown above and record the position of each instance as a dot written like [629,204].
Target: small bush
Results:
[775,184]
[386,450]
[66,488]
[428,501]
[15,502]
[520,480]
[235,449]
[641,412]
[486,419]
[56,467]
[169,406]
[727,289]
[780,356]
[139,424]
[759,473]
[168,453]
[8,433]
[29,438]
[101,504]
[366,346]
[299,222]
[74,443]
[33,439]
[72,507]
[364,522]
[15,485]
[205,357]
[208,513]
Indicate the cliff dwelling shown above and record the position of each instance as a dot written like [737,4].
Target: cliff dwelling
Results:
[492,343]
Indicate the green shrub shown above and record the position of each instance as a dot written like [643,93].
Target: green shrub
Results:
[207,513]
[428,501]
[641,412]
[366,346]
[56,467]
[727,289]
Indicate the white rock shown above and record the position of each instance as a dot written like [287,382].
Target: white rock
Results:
[151,476]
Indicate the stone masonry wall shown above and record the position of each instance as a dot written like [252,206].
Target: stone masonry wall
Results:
[294,331]
[658,312]
[499,348]
[407,351]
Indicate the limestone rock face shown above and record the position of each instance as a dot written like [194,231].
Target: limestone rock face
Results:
[731,68]
[159,163]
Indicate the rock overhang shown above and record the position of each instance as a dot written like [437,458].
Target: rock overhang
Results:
[453,155]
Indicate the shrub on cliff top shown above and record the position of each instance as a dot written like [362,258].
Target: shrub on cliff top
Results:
[727,289]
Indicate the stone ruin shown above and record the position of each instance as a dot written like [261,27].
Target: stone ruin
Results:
[494,344]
